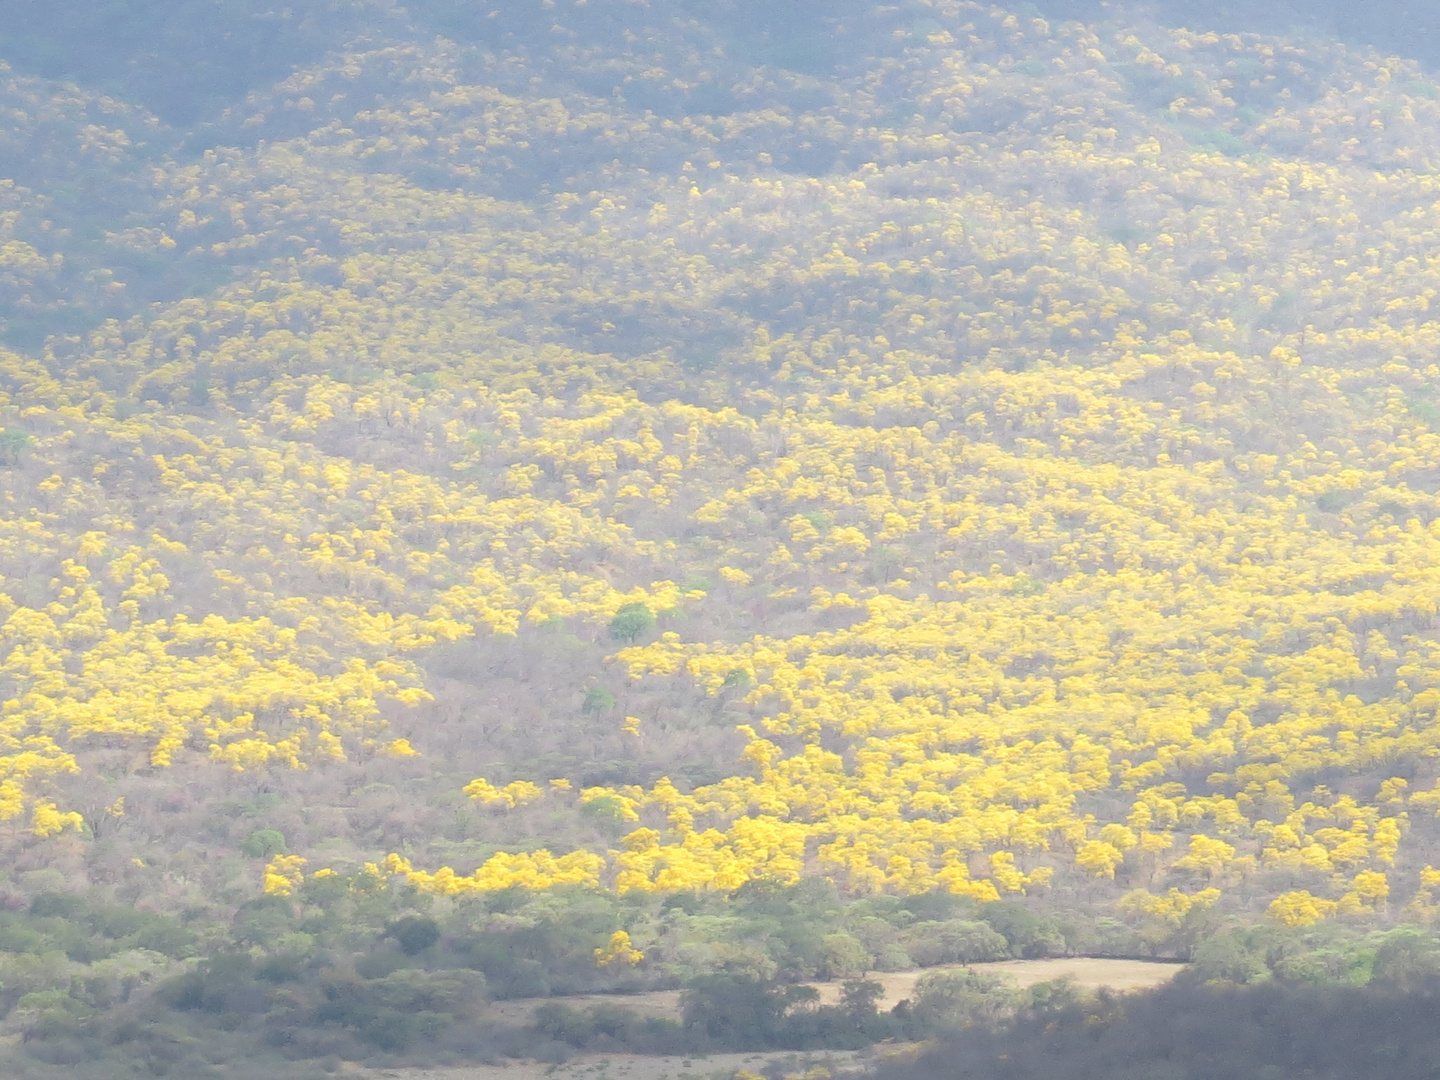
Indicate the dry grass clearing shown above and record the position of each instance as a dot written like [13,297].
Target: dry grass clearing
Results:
[1089,973]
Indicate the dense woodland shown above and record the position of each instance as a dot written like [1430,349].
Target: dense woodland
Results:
[600,496]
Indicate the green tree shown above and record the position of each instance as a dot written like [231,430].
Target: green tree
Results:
[12,442]
[264,843]
[598,700]
[630,622]
[414,933]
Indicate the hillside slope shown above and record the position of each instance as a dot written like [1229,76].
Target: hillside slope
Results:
[966,451]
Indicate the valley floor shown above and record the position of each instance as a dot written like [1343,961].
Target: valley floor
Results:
[1088,972]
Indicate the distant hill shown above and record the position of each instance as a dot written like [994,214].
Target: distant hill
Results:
[687,492]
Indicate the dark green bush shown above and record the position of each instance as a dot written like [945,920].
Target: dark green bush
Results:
[414,933]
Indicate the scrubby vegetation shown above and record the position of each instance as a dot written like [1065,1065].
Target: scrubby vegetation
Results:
[606,497]
[1197,1033]
[350,969]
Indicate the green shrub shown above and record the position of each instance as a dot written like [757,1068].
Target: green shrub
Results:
[264,843]
[956,941]
[414,933]
[630,622]
[956,999]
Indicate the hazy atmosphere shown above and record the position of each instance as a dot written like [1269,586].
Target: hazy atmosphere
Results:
[729,540]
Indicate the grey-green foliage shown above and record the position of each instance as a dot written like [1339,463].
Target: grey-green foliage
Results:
[598,700]
[1405,957]
[413,990]
[844,956]
[955,941]
[957,999]
[12,442]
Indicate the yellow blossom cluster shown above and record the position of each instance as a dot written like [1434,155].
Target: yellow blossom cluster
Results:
[618,952]
[283,874]
[79,674]
[525,870]
[1044,488]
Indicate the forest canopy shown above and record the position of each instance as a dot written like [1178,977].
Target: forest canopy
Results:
[572,497]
